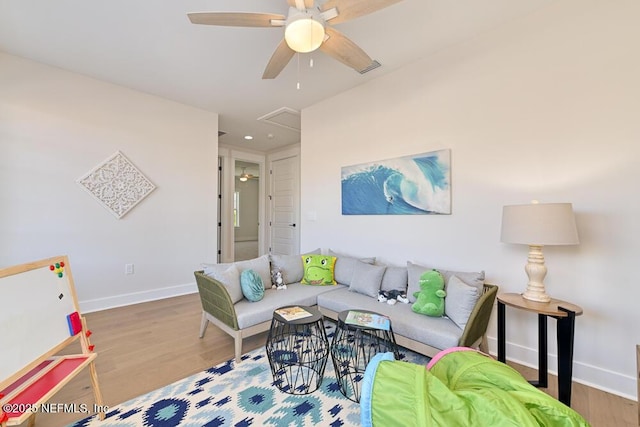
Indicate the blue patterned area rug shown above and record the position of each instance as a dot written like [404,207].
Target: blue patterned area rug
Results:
[238,395]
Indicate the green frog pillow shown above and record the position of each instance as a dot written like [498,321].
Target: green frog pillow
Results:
[318,270]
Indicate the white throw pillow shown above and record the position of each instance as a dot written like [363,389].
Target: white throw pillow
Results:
[229,276]
[290,266]
[260,265]
[345,266]
[460,301]
[367,278]
[415,271]
[394,279]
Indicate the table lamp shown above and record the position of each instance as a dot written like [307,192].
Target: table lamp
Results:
[538,225]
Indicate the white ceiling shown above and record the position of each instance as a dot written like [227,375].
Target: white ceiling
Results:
[151,46]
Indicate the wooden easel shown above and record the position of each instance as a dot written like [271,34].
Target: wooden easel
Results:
[35,302]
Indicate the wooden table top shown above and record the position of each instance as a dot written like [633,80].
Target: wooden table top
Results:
[550,308]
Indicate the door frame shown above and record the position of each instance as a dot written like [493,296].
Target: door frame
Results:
[229,156]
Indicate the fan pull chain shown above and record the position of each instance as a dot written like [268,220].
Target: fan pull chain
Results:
[298,58]
[298,70]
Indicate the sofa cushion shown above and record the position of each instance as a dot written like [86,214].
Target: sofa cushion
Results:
[394,279]
[460,300]
[367,278]
[471,278]
[260,265]
[251,285]
[318,270]
[250,314]
[345,265]
[229,276]
[414,271]
[438,332]
[290,266]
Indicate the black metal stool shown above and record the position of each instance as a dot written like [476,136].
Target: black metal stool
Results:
[352,348]
[297,350]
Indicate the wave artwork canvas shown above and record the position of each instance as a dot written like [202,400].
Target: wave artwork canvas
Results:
[412,185]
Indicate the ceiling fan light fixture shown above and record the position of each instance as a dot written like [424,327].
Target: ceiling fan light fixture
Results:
[304,34]
[243,178]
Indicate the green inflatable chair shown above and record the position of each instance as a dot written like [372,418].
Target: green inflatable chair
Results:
[460,387]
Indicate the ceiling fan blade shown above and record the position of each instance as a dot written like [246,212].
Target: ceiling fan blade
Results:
[278,61]
[237,19]
[301,4]
[339,47]
[351,9]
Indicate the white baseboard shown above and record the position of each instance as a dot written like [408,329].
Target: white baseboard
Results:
[592,376]
[99,304]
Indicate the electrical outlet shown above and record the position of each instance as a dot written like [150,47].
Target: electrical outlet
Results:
[128,269]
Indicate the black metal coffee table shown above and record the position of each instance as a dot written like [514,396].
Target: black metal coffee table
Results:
[297,348]
[354,344]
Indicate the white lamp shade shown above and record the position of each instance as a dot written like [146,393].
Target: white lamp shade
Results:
[304,34]
[539,224]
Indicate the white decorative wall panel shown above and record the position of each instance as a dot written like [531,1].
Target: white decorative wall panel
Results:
[117,184]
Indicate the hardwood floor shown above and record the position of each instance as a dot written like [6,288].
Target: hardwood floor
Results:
[146,346]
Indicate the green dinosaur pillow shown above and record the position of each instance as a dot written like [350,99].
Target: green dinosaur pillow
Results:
[430,298]
[318,270]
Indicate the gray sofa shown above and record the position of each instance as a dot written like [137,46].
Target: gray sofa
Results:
[468,304]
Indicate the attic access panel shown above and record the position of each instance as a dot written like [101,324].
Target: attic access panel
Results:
[284,117]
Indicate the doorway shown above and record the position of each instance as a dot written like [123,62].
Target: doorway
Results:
[246,210]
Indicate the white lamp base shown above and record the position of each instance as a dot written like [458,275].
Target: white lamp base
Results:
[536,271]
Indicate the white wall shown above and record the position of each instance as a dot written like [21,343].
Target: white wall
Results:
[546,108]
[55,126]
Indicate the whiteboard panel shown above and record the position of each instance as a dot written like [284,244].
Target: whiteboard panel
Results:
[34,304]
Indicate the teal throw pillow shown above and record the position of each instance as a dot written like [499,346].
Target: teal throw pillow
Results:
[252,285]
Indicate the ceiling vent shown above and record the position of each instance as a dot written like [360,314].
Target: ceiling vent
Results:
[375,64]
[285,117]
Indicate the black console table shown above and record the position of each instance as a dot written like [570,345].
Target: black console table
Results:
[565,314]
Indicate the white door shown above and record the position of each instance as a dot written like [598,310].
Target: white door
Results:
[285,202]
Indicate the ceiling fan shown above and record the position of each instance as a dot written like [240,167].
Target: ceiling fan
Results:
[244,176]
[307,28]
